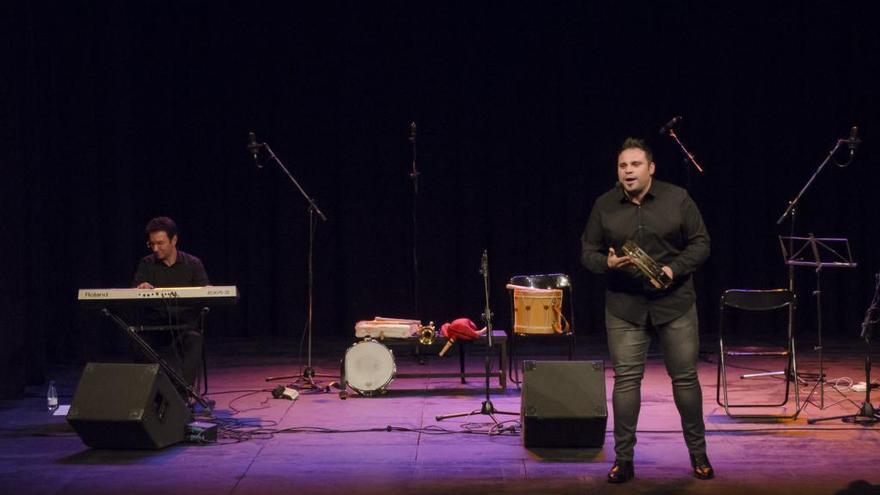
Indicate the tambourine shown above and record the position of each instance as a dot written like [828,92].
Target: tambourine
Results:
[647,266]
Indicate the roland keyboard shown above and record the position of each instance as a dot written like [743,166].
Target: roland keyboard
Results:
[220,295]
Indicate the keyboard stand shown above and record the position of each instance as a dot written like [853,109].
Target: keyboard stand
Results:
[151,354]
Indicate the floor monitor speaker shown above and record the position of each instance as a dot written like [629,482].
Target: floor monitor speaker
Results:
[563,404]
[127,406]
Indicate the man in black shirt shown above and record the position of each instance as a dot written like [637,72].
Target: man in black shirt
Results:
[171,267]
[168,266]
[663,220]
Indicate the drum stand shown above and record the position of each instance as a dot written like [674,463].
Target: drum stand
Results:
[305,380]
[487,408]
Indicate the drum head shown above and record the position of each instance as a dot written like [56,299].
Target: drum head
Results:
[369,367]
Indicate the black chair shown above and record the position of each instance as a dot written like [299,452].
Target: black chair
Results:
[750,302]
[559,281]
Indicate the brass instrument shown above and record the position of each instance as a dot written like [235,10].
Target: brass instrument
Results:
[647,266]
[427,333]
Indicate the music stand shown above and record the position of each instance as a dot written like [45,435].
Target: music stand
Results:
[817,253]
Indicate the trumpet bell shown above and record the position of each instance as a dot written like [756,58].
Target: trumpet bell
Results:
[427,333]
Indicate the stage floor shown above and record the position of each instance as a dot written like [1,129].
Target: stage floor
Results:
[320,444]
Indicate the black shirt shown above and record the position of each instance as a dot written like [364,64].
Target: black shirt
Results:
[669,228]
[187,271]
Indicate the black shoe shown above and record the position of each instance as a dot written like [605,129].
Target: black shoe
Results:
[621,472]
[702,469]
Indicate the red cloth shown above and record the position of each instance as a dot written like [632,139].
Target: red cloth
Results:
[460,329]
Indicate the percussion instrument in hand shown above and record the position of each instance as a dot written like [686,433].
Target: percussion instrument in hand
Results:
[647,266]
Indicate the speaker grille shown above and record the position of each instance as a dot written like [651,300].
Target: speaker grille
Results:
[564,404]
[127,406]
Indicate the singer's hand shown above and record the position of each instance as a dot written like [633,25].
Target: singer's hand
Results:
[668,272]
[145,285]
[616,262]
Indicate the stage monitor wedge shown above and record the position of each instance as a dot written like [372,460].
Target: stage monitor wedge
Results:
[127,406]
[563,404]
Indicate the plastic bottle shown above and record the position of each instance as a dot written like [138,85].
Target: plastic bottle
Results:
[52,397]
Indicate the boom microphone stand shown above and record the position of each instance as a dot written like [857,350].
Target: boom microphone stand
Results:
[853,143]
[867,413]
[487,407]
[791,211]
[306,380]
[669,130]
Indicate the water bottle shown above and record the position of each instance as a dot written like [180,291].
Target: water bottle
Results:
[52,397]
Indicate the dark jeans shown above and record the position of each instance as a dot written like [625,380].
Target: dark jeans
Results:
[628,343]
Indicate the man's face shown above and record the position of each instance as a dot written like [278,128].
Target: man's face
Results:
[161,245]
[634,171]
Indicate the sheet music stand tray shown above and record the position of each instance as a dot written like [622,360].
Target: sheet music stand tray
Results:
[817,253]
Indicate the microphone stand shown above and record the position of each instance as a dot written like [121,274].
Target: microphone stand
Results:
[688,156]
[487,407]
[791,211]
[306,380]
[867,413]
[414,176]
[793,203]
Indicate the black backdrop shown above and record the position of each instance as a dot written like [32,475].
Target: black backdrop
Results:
[120,111]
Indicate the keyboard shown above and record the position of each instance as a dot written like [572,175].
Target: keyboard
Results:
[219,295]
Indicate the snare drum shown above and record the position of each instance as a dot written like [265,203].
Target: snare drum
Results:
[369,367]
[537,311]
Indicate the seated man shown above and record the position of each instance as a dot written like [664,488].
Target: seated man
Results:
[168,266]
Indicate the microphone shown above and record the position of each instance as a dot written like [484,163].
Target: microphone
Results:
[412,132]
[853,141]
[254,148]
[484,263]
[669,125]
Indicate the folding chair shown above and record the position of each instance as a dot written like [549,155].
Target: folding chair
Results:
[758,301]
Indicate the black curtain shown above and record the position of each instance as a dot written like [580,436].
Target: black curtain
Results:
[121,111]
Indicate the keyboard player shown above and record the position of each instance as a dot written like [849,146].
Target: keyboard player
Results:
[168,266]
